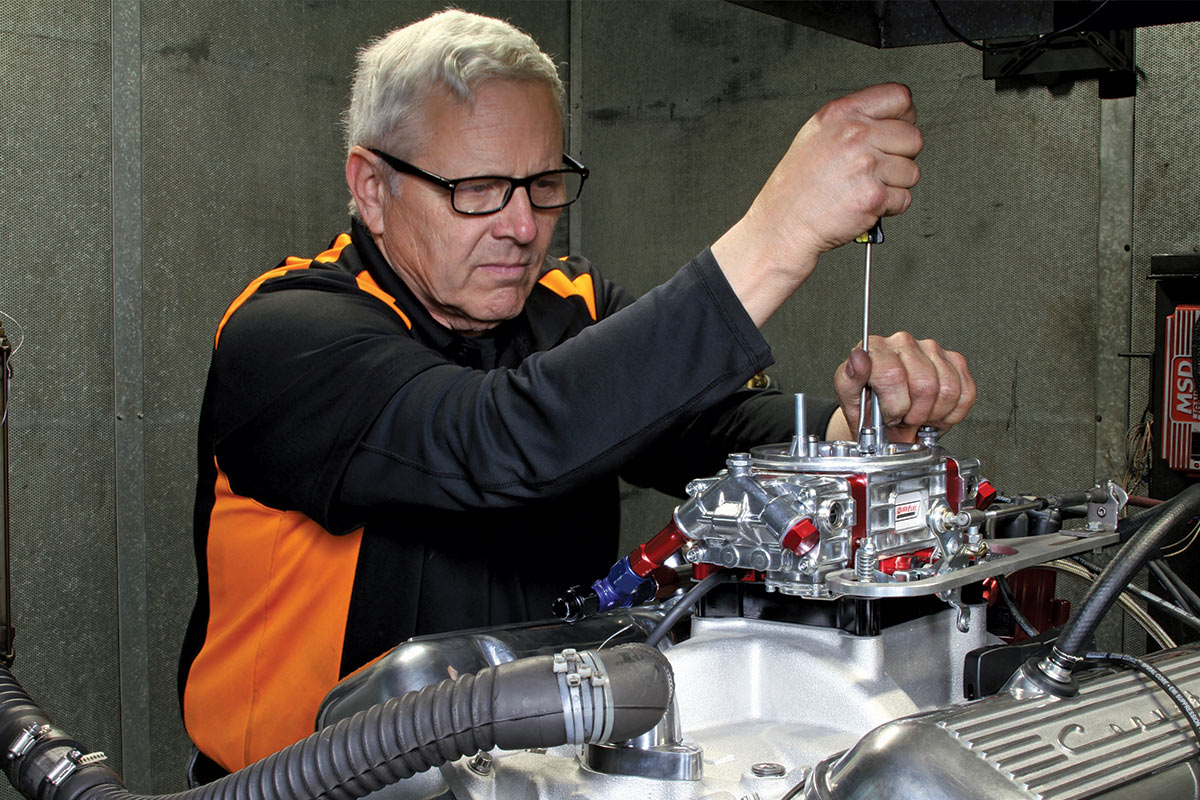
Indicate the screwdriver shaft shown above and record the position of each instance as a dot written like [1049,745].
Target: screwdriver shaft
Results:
[876,437]
[866,338]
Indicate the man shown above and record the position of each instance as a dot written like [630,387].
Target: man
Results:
[421,429]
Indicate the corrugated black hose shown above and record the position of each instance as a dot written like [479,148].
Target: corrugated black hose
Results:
[533,702]
[1140,548]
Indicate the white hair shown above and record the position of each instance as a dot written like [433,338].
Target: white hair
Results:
[452,51]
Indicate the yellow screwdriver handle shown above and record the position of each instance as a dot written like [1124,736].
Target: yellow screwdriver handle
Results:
[873,236]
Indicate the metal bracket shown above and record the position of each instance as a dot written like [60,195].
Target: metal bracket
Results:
[1102,515]
[954,598]
[1004,556]
[1047,60]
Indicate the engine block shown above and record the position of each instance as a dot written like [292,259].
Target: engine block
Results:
[766,705]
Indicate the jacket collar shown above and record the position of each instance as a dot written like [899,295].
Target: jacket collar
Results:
[506,345]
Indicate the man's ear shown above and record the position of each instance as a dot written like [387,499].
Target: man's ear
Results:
[367,186]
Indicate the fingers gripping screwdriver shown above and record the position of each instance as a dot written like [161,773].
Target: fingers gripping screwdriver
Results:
[871,438]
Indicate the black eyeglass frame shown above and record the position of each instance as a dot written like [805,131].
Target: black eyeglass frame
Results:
[405,167]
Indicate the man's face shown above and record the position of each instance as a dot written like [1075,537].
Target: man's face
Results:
[472,272]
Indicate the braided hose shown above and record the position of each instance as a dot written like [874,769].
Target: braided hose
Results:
[1112,581]
[521,704]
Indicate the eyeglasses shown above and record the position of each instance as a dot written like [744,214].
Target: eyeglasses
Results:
[487,194]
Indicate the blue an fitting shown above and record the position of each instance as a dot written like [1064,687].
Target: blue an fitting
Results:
[623,587]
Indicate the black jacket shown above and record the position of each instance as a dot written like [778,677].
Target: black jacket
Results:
[468,481]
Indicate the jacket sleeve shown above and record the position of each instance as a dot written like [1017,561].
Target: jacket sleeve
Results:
[698,445]
[352,418]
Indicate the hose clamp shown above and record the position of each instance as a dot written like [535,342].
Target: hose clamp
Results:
[601,699]
[26,739]
[65,767]
[1058,666]
[586,694]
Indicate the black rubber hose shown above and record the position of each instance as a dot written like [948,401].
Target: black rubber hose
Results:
[1165,606]
[1162,681]
[1018,617]
[1133,523]
[1189,595]
[1132,557]
[682,606]
[1155,565]
[514,706]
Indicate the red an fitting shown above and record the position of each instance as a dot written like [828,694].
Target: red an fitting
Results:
[648,557]
[985,493]
[802,537]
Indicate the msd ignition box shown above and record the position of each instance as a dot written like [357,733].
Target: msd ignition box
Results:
[1176,396]
[1175,400]
[1181,409]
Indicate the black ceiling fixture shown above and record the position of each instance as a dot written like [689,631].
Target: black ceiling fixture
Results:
[1023,42]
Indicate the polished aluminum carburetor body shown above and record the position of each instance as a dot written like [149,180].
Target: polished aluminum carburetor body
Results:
[800,513]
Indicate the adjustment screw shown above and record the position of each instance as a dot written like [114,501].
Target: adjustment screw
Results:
[768,769]
[738,464]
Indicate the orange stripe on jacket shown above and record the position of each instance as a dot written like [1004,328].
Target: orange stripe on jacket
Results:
[279,592]
[557,281]
[368,285]
[289,264]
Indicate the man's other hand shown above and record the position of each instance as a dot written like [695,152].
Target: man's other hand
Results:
[917,381]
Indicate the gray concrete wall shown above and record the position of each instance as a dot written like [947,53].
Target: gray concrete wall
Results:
[56,283]
[998,257]
[684,107]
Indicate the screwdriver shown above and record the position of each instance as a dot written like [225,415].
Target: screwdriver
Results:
[870,439]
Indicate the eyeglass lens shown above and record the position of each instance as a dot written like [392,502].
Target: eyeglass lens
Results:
[548,190]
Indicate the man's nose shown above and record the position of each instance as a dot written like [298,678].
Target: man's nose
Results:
[518,219]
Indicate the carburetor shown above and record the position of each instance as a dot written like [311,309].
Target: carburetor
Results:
[797,513]
[827,519]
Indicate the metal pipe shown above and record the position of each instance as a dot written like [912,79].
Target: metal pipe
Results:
[6,629]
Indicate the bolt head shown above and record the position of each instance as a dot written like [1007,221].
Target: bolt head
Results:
[480,763]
